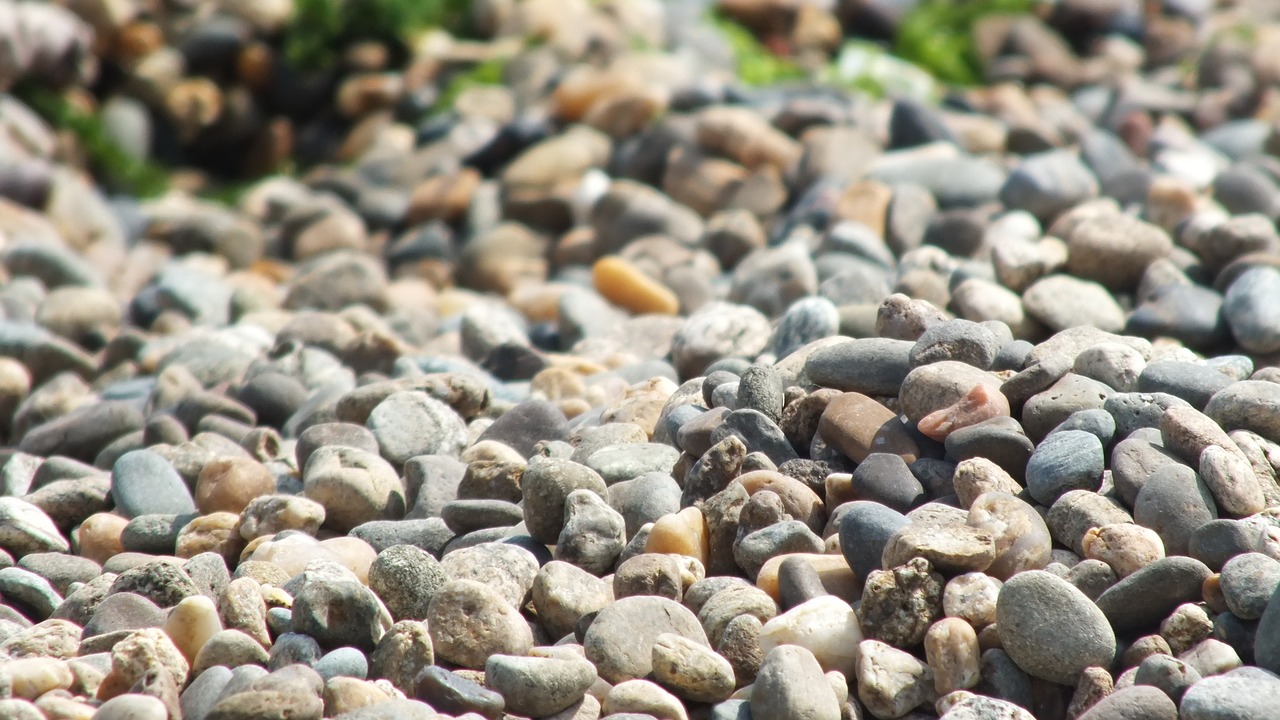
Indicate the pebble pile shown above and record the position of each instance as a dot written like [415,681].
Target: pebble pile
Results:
[626,390]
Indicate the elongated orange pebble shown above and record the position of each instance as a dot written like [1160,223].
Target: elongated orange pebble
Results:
[624,285]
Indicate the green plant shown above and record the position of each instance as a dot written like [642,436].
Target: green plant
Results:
[118,170]
[488,72]
[937,35]
[320,28]
[755,64]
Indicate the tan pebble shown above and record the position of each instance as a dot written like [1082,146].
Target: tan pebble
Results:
[642,405]
[231,483]
[1211,590]
[866,202]
[32,677]
[98,537]
[682,533]
[19,709]
[354,554]
[951,646]
[191,623]
[242,607]
[978,475]
[1126,547]
[558,383]
[745,136]
[972,598]
[269,514]
[798,500]
[981,403]
[626,286]
[217,532]
[642,696]
[142,651]
[56,707]
[346,694]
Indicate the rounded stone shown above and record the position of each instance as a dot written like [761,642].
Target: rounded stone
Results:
[620,639]
[1051,629]
[469,622]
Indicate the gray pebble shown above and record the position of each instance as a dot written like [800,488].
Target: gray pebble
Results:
[1050,629]
[1065,461]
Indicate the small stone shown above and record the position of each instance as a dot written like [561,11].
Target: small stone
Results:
[620,639]
[1178,579]
[900,604]
[1064,301]
[790,684]
[1050,629]
[159,581]
[564,593]
[1115,249]
[1231,479]
[1065,461]
[403,653]
[144,483]
[1248,582]
[1127,548]
[594,534]
[191,624]
[826,626]
[892,682]
[642,697]
[692,671]
[354,486]
[470,622]
[972,597]
[718,330]
[538,686]
[951,647]
[952,549]
[546,486]
[449,692]
[1237,694]
[270,514]
[1046,184]
[229,648]
[412,423]
[231,484]
[1244,307]
[982,403]
[625,285]
[864,530]
[339,612]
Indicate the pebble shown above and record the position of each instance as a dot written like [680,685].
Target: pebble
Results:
[144,483]
[790,683]
[1064,461]
[892,682]
[1050,629]
[469,622]
[1178,579]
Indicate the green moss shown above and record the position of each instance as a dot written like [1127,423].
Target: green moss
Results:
[118,170]
[320,28]
[755,64]
[937,35]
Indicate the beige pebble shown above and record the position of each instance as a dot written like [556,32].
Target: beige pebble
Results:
[216,532]
[269,514]
[642,696]
[191,623]
[355,554]
[951,647]
[347,694]
[32,677]
[56,707]
[972,598]
[975,476]
[242,607]
[1126,547]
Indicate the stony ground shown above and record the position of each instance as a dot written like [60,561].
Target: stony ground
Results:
[566,374]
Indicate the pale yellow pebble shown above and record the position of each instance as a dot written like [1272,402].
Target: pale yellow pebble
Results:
[292,554]
[626,286]
[191,623]
[682,533]
[98,537]
[34,676]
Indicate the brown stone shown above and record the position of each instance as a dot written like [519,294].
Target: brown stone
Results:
[857,426]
